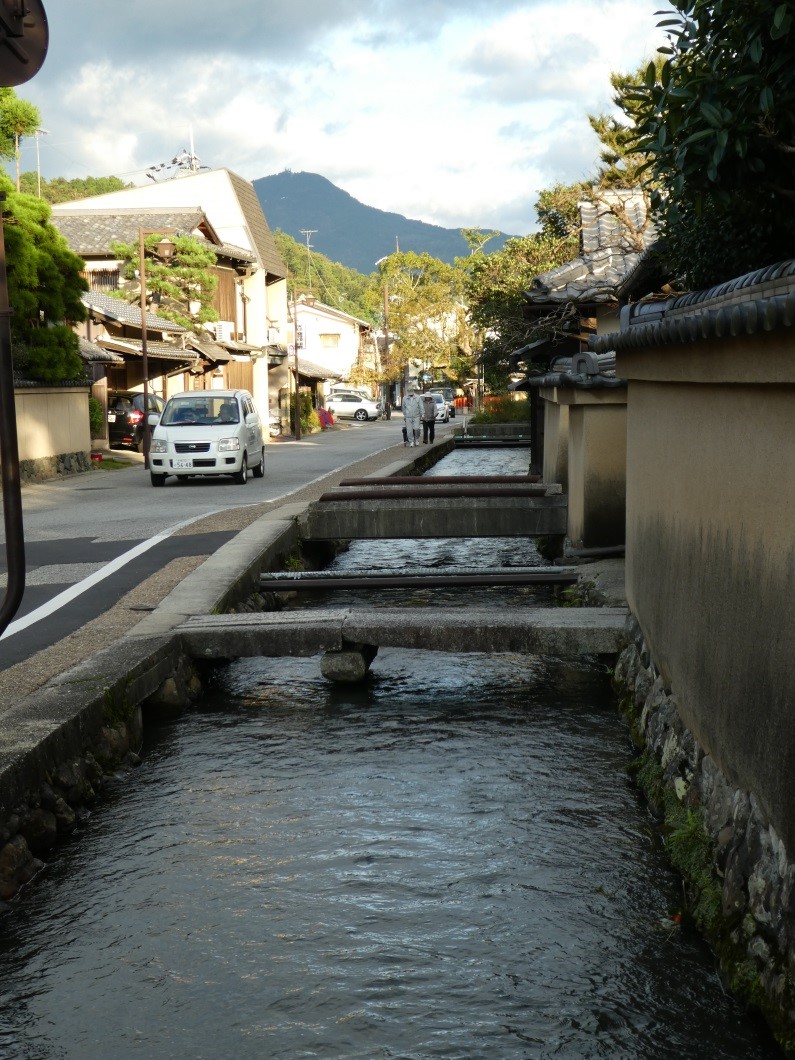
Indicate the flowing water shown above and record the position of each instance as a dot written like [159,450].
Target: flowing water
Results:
[446,861]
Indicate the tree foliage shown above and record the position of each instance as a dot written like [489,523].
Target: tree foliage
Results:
[427,314]
[495,282]
[18,118]
[59,189]
[44,288]
[621,163]
[718,122]
[182,288]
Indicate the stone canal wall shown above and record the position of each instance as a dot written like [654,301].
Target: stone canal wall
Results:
[710,577]
[738,874]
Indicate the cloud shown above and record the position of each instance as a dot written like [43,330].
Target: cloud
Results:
[453,111]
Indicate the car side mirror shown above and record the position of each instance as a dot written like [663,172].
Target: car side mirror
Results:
[153,419]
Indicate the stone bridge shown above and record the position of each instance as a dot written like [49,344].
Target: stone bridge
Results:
[508,506]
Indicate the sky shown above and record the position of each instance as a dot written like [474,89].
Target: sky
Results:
[455,112]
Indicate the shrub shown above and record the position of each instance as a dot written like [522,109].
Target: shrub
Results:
[503,409]
[96,418]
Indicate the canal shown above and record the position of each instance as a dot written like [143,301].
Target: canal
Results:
[446,861]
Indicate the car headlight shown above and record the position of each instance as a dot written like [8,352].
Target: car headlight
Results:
[228,445]
[159,445]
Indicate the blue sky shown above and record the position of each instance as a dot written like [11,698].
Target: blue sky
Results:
[457,113]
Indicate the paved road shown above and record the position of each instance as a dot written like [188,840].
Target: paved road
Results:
[91,538]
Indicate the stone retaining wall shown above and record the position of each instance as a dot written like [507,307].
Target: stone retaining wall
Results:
[739,876]
[52,808]
[49,467]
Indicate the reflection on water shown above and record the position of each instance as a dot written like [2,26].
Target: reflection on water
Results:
[447,861]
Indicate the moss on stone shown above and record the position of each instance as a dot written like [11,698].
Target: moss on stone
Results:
[117,707]
[690,849]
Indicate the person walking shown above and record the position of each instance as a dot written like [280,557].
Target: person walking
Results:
[412,413]
[428,419]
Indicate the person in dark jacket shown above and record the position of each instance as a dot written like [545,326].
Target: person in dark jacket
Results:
[428,419]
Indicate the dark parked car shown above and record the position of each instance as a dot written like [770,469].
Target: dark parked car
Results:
[126,417]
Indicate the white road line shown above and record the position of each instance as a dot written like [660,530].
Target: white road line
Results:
[76,590]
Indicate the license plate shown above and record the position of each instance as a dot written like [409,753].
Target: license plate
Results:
[111,417]
[182,465]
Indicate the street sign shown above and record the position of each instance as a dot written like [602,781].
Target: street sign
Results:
[24,38]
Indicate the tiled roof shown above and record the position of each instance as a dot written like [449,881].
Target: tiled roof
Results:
[90,232]
[94,354]
[610,250]
[229,250]
[763,300]
[103,305]
[212,351]
[612,220]
[163,350]
[315,371]
[261,235]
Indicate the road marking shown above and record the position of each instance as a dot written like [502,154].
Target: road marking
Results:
[66,597]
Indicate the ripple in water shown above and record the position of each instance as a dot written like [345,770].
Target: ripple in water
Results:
[447,861]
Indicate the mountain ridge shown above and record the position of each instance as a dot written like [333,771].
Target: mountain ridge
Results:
[348,231]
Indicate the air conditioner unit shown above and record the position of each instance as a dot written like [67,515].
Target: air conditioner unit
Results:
[224,330]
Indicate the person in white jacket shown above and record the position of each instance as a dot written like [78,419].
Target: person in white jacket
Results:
[412,414]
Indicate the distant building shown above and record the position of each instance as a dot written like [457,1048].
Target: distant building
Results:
[223,208]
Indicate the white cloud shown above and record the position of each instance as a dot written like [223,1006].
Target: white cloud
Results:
[453,112]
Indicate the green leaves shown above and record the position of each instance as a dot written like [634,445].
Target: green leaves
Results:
[717,124]
[782,22]
[185,284]
[766,100]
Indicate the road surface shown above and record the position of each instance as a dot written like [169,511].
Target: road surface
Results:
[91,538]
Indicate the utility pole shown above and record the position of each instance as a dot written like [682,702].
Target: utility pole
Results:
[306,233]
[386,363]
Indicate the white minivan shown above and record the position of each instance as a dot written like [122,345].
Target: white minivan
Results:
[207,432]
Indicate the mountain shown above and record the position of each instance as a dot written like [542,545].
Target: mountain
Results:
[346,230]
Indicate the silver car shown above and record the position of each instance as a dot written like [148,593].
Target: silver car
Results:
[353,406]
[447,394]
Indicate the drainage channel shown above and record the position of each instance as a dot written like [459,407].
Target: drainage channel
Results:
[446,860]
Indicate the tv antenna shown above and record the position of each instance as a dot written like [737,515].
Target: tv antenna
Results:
[186,161]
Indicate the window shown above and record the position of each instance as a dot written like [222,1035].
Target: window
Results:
[329,342]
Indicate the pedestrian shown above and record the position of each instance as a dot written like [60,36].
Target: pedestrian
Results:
[412,414]
[428,419]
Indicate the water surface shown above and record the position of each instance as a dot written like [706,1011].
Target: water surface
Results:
[448,861]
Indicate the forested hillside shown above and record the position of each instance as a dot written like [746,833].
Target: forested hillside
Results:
[345,230]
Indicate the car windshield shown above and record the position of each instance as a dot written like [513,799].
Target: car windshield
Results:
[204,409]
